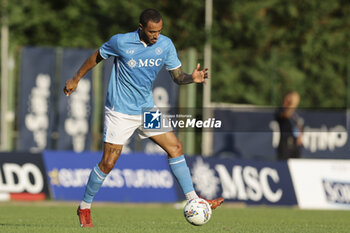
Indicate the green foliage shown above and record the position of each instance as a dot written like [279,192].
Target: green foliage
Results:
[81,23]
[261,49]
[264,48]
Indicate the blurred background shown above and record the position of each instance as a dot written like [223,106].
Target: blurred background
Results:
[256,51]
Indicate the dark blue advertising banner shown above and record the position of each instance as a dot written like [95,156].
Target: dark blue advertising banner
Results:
[36,115]
[75,111]
[244,134]
[254,133]
[250,182]
[136,177]
[326,134]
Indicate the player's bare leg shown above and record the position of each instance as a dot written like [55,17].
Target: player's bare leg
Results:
[110,156]
[169,142]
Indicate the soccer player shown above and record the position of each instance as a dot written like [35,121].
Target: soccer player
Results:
[139,56]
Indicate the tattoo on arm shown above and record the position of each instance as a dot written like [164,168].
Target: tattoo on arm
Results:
[180,77]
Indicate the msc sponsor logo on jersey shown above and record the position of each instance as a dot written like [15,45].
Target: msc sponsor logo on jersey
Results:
[152,120]
[144,62]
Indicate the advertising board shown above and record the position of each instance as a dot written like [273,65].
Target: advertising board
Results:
[251,182]
[135,178]
[321,184]
[22,177]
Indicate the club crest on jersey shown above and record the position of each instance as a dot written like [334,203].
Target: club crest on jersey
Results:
[158,51]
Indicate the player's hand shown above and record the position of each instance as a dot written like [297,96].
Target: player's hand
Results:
[70,86]
[199,76]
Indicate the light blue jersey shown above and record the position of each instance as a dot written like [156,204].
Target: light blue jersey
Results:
[136,66]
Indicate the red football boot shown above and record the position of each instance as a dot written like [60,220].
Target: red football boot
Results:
[215,202]
[85,217]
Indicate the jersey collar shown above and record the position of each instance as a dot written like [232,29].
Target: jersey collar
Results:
[138,39]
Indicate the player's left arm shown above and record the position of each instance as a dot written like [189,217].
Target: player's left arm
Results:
[197,76]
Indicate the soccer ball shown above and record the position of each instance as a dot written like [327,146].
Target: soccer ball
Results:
[197,211]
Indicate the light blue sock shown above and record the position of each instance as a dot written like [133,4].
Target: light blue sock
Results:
[182,173]
[96,179]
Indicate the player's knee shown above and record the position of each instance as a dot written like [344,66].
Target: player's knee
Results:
[106,166]
[176,150]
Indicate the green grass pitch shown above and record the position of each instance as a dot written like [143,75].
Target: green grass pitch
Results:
[124,218]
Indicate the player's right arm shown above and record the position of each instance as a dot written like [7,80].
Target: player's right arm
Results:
[91,62]
[197,76]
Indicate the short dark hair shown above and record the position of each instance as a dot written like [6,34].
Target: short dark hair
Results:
[150,15]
